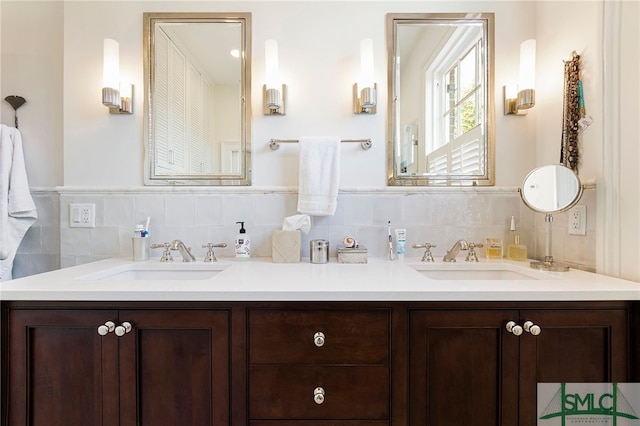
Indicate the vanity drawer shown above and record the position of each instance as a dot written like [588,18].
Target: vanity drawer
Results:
[321,423]
[349,336]
[349,392]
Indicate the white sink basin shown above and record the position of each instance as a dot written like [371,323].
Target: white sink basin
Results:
[158,271]
[480,271]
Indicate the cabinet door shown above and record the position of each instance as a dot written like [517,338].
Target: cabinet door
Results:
[463,368]
[174,368]
[61,371]
[573,346]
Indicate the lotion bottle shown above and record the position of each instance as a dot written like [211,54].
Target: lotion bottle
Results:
[243,243]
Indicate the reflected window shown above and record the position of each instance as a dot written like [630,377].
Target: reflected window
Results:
[454,99]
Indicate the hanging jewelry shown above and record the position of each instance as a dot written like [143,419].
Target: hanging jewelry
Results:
[569,154]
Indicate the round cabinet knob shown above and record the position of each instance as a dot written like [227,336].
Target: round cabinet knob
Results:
[318,395]
[318,339]
[123,329]
[514,328]
[532,328]
[106,328]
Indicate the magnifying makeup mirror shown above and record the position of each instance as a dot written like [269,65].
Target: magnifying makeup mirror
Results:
[550,189]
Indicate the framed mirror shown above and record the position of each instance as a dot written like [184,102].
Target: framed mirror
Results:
[441,107]
[197,103]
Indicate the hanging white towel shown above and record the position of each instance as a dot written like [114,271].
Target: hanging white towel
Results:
[17,209]
[319,175]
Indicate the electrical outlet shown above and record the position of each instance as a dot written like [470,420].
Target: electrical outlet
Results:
[82,215]
[578,220]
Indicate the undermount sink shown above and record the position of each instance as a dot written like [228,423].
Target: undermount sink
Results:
[158,271]
[479,271]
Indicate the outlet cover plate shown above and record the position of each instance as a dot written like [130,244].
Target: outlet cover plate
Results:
[82,215]
[577,220]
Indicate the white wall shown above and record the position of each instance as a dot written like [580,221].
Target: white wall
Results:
[319,48]
[31,67]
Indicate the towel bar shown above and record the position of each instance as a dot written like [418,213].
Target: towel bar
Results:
[275,143]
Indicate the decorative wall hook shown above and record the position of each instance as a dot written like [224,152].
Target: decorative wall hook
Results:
[16,102]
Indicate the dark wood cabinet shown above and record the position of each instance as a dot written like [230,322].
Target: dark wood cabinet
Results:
[463,368]
[319,364]
[574,345]
[261,363]
[172,367]
[466,368]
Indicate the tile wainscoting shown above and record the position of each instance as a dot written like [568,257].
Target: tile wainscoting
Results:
[198,216]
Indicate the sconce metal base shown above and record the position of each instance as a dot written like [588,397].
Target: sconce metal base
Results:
[117,105]
[365,101]
[526,99]
[511,104]
[274,104]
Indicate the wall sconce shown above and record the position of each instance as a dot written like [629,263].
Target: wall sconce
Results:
[516,101]
[364,100]
[274,99]
[116,96]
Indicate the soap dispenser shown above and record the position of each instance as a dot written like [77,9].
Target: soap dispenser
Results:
[243,243]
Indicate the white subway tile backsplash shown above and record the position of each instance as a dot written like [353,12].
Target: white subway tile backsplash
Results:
[357,210]
[209,210]
[439,217]
[119,210]
[180,210]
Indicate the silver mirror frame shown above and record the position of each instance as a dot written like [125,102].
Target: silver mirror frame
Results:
[488,177]
[150,177]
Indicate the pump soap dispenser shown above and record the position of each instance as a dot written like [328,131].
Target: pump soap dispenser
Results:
[243,243]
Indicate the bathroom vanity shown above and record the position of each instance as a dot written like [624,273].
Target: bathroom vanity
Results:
[263,344]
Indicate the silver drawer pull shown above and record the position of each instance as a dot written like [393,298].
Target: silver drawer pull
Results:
[123,329]
[318,395]
[318,339]
[532,328]
[106,328]
[514,328]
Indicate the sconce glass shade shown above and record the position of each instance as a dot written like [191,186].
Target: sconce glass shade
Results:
[526,94]
[366,63]
[272,69]
[365,97]
[273,97]
[117,97]
[111,63]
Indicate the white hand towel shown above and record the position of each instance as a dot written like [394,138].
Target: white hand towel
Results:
[319,175]
[17,209]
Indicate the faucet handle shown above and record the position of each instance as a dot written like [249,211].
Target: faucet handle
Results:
[210,256]
[471,256]
[427,257]
[166,255]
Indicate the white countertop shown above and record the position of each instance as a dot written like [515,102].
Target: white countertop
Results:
[261,280]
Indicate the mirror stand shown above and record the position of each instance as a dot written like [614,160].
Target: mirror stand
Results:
[548,264]
[550,189]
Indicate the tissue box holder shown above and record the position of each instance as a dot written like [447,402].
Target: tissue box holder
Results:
[285,246]
[352,255]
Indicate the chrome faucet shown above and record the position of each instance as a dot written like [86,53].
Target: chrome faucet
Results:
[451,254]
[184,251]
